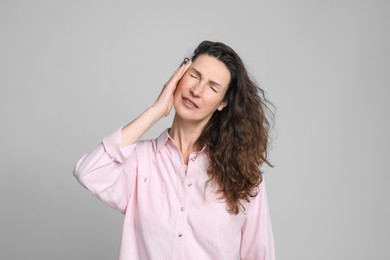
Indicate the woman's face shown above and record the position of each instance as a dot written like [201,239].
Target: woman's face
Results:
[201,90]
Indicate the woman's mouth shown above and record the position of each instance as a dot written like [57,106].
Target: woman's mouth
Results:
[189,103]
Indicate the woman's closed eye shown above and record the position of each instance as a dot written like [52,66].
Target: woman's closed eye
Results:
[194,76]
[213,89]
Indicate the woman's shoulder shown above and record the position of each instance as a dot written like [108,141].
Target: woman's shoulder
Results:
[154,144]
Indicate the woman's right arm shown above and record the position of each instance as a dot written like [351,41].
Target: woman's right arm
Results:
[109,170]
[133,131]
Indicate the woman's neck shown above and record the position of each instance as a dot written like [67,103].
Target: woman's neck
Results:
[186,137]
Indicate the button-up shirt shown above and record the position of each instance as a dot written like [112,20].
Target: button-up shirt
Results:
[171,210]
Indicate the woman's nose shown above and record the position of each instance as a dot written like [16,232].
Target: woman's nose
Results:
[197,89]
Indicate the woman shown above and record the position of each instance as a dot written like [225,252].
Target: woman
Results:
[195,192]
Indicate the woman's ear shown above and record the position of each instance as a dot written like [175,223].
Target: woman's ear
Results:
[222,105]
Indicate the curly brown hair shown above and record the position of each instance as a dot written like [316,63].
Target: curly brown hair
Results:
[236,137]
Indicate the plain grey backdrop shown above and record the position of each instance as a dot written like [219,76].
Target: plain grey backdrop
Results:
[73,71]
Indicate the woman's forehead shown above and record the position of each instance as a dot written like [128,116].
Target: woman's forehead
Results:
[212,69]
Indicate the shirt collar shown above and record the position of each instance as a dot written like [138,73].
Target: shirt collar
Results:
[162,139]
[165,137]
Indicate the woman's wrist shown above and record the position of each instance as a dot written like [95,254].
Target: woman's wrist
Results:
[156,112]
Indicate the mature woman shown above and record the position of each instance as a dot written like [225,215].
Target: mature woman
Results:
[197,191]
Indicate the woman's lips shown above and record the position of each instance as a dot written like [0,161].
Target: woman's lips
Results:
[189,102]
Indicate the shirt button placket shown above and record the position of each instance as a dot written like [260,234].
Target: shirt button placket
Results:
[183,215]
[182,219]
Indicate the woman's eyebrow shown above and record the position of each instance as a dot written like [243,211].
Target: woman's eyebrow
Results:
[212,82]
[215,84]
[197,71]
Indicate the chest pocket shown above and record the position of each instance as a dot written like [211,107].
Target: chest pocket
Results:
[150,201]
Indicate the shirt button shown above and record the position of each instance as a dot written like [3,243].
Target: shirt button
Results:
[189,184]
[180,235]
[182,208]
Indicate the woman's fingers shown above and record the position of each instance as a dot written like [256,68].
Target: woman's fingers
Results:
[165,99]
[183,68]
[171,85]
[178,74]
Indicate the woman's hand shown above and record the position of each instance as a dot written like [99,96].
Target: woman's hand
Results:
[133,131]
[164,102]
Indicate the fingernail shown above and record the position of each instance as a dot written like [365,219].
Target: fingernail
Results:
[186,60]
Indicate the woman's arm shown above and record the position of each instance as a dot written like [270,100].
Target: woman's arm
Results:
[109,171]
[133,131]
[257,240]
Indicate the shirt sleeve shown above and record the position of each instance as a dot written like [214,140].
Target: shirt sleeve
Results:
[256,235]
[108,171]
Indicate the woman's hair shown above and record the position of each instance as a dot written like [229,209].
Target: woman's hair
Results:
[237,136]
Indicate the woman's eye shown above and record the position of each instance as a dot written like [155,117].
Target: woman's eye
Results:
[213,89]
[192,75]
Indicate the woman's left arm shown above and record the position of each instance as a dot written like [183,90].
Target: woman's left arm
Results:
[256,234]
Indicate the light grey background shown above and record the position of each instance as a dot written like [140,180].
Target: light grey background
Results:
[73,71]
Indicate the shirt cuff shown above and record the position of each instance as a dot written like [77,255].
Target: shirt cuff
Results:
[113,148]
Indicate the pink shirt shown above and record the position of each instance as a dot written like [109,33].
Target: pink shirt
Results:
[169,212]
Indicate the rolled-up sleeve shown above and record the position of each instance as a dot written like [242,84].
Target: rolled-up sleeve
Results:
[257,238]
[109,171]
